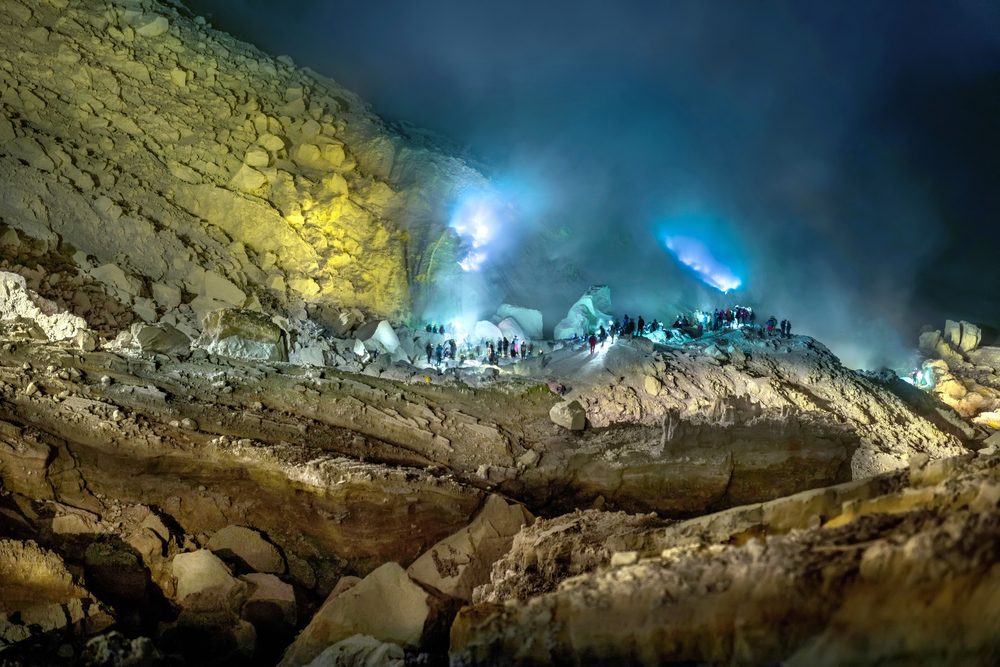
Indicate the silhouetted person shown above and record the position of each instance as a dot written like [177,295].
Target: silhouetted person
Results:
[640,327]
[429,349]
[506,346]
[428,328]
[593,343]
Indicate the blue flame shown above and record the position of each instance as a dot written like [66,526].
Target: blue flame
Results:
[476,219]
[698,257]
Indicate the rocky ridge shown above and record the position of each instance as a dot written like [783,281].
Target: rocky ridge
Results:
[246,181]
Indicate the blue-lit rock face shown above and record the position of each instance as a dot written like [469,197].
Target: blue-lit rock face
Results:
[697,256]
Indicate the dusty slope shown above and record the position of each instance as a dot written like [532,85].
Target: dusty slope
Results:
[244,181]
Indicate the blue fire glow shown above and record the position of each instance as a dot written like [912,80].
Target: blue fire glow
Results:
[476,220]
[697,256]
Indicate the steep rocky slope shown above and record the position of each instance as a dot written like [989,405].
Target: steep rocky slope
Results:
[243,180]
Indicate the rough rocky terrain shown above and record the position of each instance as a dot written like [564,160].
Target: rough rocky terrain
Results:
[920,562]
[963,372]
[221,441]
[246,181]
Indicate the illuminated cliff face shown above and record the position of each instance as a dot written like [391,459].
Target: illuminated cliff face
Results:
[185,170]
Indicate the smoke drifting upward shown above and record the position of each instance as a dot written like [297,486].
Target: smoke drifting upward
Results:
[844,153]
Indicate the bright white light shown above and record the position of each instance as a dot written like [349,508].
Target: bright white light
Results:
[476,220]
[696,255]
[473,261]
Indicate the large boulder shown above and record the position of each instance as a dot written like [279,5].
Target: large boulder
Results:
[210,599]
[379,336]
[986,356]
[249,546]
[486,331]
[962,335]
[242,334]
[528,319]
[511,329]
[460,562]
[587,314]
[569,414]
[929,341]
[971,336]
[952,333]
[203,582]
[337,322]
[271,603]
[386,605]
[160,338]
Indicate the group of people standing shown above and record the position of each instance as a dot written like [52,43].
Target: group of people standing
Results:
[737,316]
[442,351]
[503,348]
[507,349]
[633,328]
[785,327]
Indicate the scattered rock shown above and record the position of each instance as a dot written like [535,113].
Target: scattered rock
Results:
[569,414]
[243,335]
[249,547]
[161,338]
[153,27]
[460,562]
[271,602]
[360,651]
[204,582]
[386,605]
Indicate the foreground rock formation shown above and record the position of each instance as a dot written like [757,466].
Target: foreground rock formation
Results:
[217,505]
[919,559]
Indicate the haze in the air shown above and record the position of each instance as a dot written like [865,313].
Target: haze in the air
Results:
[838,159]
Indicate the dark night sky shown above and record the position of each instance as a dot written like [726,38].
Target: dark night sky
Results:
[847,153]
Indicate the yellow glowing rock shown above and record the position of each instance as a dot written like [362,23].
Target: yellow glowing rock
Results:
[271,142]
[154,27]
[178,77]
[311,129]
[333,154]
[248,179]
[304,286]
[308,155]
[257,158]
[335,184]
